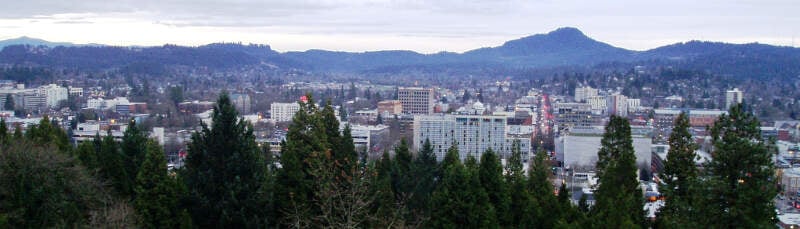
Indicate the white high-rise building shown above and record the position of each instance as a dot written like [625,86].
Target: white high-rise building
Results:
[733,97]
[583,93]
[617,104]
[283,112]
[54,94]
[598,104]
[416,100]
[473,135]
[634,105]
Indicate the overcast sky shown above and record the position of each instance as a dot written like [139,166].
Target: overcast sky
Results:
[423,26]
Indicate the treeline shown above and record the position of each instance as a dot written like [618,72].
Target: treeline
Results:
[319,180]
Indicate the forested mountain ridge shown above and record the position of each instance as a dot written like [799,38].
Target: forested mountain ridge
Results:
[561,47]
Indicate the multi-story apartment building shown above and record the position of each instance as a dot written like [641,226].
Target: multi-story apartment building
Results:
[617,104]
[472,135]
[54,94]
[283,112]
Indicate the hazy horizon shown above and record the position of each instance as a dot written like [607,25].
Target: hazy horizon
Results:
[426,27]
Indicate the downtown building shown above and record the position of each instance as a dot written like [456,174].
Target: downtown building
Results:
[472,135]
[582,94]
[283,112]
[733,97]
[416,100]
[569,115]
[578,148]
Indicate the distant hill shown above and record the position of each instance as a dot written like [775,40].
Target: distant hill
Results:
[561,47]
[32,41]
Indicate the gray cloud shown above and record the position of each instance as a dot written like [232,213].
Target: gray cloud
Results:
[630,24]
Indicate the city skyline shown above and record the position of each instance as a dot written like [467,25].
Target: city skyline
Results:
[425,27]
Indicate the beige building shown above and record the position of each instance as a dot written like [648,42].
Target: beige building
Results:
[416,100]
[390,107]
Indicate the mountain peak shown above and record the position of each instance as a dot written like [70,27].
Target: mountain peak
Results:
[566,32]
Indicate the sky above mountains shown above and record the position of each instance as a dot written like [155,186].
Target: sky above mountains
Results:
[423,26]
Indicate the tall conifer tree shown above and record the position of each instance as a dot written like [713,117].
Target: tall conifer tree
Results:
[740,175]
[679,174]
[225,172]
[618,199]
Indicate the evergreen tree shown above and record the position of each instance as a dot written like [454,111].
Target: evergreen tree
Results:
[156,196]
[425,174]
[343,113]
[521,209]
[679,172]
[87,155]
[542,190]
[386,213]
[9,105]
[459,199]
[491,179]
[618,199]
[402,179]
[225,172]
[47,133]
[740,177]
[17,132]
[4,138]
[111,164]
[347,156]
[133,146]
[42,188]
[294,184]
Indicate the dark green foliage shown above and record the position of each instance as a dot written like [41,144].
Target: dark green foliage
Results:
[4,136]
[133,146]
[42,188]
[740,178]
[541,190]
[679,175]
[491,179]
[618,199]
[111,164]
[176,94]
[46,132]
[294,183]
[383,206]
[225,172]
[9,105]
[424,171]
[402,179]
[87,155]
[156,192]
[347,156]
[459,200]
[521,208]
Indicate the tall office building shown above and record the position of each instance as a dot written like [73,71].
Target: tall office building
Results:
[617,104]
[733,97]
[583,93]
[472,134]
[416,100]
[569,115]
